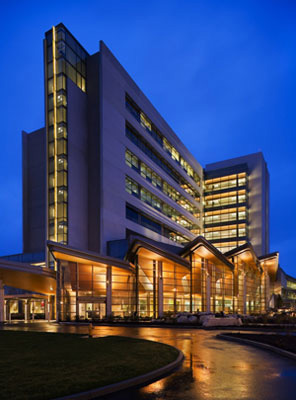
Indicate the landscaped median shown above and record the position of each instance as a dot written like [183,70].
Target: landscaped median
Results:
[284,344]
[51,365]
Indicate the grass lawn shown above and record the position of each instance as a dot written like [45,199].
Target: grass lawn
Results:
[47,365]
[285,342]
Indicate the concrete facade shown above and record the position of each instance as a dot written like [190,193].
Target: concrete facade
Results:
[34,190]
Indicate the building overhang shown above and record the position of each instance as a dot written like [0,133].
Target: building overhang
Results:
[270,262]
[65,253]
[246,253]
[141,247]
[27,277]
[207,250]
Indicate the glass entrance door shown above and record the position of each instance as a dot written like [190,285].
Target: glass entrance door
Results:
[92,310]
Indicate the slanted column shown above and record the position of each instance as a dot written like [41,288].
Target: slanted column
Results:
[109,292]
[2,303]
[160,289]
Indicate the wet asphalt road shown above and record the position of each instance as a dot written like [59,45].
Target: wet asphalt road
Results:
[213,369]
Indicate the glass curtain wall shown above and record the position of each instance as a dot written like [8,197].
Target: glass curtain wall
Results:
[164,287]
[212,286]
[64,58]
[176,288]
[251,288]
[84,291]
[226,210]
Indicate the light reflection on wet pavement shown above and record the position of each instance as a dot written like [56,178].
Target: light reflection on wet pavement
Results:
[213,369]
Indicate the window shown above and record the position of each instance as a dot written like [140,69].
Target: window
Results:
[159,137]
[133,162]
[142,219]
[134,188]
[132,215]
[155,157]
[131,186]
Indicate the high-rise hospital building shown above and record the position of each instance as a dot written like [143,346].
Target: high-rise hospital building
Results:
[119,217]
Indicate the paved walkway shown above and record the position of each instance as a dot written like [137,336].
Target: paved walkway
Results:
[213,369]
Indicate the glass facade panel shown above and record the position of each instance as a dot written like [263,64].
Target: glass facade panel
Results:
[225,208]
[160,287]
[64,57]
[84,291]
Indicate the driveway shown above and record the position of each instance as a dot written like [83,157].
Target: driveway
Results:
[213,369]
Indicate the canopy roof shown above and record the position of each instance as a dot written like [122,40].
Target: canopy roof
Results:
[153,252]
[205,249]
[66,253]
[27,277]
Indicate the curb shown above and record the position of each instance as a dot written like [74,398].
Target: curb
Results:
[140,380]
[260,345]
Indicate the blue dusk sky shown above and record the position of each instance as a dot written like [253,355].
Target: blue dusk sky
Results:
[222,73]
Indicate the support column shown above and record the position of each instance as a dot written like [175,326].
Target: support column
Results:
[51,307]
[109,292]
[234,306]
[175,291]
[1,302]
[267,291]
[46,314]
[160,290]
[245,293]
[148,304]
[5,310]
[154,289]
[27,310]
[33,310]
[208,281]
[223,288]
[8,313]
[203,285]
[191,283]
[137,286]
[58,292]
[77,293]
[213,287]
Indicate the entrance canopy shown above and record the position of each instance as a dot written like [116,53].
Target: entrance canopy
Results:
[66,253]
[27,277]
[205,249]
